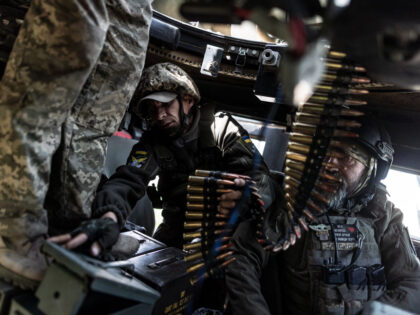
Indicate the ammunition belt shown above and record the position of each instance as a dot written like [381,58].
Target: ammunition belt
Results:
[207,230]
[329,117]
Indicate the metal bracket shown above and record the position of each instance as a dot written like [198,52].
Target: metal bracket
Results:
[268,87]
[211,61]
[240,60]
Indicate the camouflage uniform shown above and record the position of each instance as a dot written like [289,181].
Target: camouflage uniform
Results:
[299,270]
[70,76]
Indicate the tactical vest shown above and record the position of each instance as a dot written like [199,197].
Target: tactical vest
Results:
[339,269]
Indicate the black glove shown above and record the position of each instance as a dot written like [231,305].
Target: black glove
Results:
[105,231]
[277,230]
[250,205]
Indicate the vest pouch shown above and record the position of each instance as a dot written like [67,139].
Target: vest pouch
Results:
[333,275]
[356,276]
[377,281]
[376,275]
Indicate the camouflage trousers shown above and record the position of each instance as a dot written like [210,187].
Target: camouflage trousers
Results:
[69,79]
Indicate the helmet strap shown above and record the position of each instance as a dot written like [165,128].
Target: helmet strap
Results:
[368,174]
[364,192]
[185,118]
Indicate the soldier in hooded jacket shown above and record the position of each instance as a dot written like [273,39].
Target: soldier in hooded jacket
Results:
[181,137]
[357,252]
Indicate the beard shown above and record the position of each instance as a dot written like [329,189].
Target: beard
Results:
[337,199]
[166,132]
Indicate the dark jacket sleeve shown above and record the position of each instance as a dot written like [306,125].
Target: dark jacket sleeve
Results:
[401,264]
[240,155]
[122,191]
[243,276]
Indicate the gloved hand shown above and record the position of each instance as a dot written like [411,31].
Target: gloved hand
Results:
[278,231]
[105,231]
[99,234]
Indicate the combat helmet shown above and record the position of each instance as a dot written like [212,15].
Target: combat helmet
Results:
[376,142]
[374,137]
[168,81]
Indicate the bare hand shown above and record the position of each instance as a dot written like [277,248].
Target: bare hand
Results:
[228,200]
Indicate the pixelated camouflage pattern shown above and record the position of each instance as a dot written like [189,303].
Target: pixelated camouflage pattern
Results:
[48,56]
[97,113]
[47,97]
[165,77]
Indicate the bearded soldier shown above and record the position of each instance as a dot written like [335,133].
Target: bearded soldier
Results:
[357,251]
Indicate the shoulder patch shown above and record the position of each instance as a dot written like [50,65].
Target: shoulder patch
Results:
[246,139]
[138,158]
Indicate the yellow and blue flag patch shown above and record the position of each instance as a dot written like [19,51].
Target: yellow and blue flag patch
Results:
[246,139]
[138,158]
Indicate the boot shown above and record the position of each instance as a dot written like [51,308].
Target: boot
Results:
[23,265]
[21,238]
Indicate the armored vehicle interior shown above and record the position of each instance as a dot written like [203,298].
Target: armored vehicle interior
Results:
[227,70]
[233,86]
